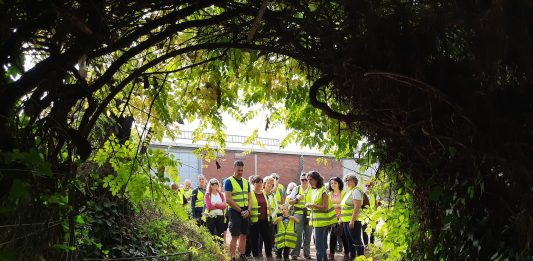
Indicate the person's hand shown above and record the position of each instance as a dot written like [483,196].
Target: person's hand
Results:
[352,224]
[278,219]
[246,214]
[298,197]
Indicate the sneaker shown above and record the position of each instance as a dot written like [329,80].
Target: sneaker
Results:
[346,257]
[294,258]
[308,257]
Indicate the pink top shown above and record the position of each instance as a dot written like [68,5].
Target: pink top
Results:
[210,207]
[336,198]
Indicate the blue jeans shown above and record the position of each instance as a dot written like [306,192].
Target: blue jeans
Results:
[355,239]
[321,245]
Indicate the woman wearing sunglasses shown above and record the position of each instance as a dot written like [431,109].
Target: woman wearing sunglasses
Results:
[215,205]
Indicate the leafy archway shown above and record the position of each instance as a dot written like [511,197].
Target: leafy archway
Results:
[442,90]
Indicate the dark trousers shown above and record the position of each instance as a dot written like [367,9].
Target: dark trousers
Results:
[215,225]
[261,228]
[337,231]
[354,238]
[285,251]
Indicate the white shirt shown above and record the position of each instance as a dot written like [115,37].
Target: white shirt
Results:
[216,199]
[356,194]
[295,191]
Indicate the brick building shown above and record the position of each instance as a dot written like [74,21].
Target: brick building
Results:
[287,165]
[262,161]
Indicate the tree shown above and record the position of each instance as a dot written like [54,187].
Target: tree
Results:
[443,90]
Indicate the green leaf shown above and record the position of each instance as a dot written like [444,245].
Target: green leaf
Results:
[79,220]
[19,191]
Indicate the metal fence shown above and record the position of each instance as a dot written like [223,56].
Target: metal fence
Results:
[187,135]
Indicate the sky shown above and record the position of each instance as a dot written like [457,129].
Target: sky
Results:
[233,127]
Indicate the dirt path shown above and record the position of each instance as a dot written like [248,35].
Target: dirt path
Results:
[338,256]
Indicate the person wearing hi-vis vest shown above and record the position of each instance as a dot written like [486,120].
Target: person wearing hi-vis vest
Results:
[180,198]
[187,189]
[322,213]
[197,200]
[238,197]
[350,216]
[268,188]
[285,233]
[336,194]
[260,217]
[298,197]
[279,191]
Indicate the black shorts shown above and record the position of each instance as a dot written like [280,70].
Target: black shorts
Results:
[237,224]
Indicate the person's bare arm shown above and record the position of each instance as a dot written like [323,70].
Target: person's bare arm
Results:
[296,220]
[325,203]
[355,213]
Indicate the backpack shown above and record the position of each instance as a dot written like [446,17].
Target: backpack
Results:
[366,201]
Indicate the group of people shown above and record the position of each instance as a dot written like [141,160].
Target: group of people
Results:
[258,213]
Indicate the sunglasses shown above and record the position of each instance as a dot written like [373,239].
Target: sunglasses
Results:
[303,179]
[214,184]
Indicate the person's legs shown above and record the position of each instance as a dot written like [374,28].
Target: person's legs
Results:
[286,251]
[358,240]
[299,227]
[244,228]
[351,241]
[321,236]
[278,252]
[355,239]
[333,239]
[266,235]
[254,239]
[365,235]
[234,229]
[219,226]
[242,244]
[233,246]
[345,244]
[211,225]
[307,235]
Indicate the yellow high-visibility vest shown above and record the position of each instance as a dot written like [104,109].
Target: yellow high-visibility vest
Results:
[200,199]
[286,235]
[321,218]
[254,215]
[300,205]
[347,207]
[238,194]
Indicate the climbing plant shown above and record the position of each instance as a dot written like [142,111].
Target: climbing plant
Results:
[441,90]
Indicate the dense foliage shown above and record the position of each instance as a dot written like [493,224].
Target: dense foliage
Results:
[441,89]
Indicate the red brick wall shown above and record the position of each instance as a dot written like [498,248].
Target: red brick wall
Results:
[287,166]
